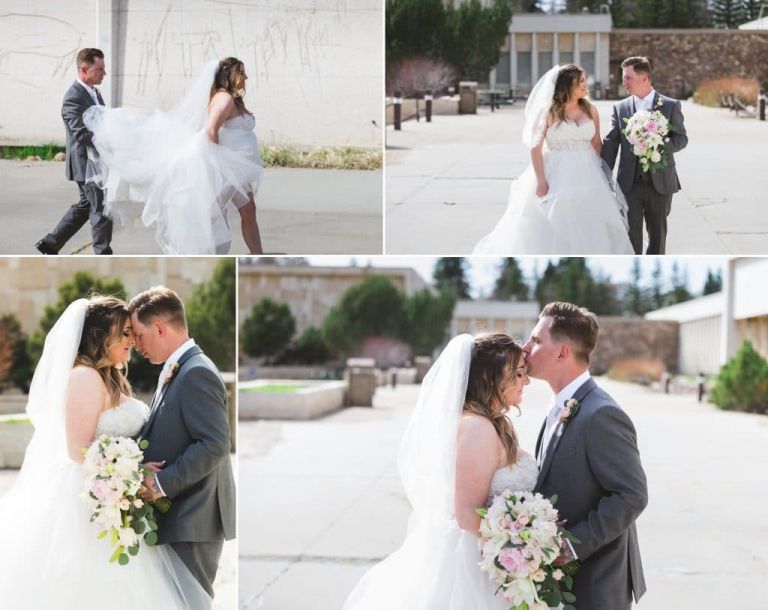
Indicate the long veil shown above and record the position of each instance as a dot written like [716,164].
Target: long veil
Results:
[409,578]
[164,167]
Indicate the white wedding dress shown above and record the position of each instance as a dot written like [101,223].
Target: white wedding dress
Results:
[583,213]
[164,168]
[438,565]
[50,557]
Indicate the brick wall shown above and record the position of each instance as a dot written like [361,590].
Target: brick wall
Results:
[683,58]
[623,338]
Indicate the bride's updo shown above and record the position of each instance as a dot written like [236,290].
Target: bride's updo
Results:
[567,82]
[491,372]
[230,77]
[102,328]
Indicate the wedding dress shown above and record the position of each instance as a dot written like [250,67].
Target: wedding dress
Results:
[437,567]
[49,554]
[165,164]
[584,211]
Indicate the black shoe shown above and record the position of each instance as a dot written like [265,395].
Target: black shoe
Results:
[44,248]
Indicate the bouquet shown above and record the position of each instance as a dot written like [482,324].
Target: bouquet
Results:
[647,132]
[114,476]
[521,538]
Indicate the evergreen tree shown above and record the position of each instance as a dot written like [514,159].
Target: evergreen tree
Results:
[657,287]
[751,9]
[713,283]
[426,319]
[679,292]
[268,329]
[451,272]
[635,302]
[414,28]
[510,285]
[729,14]
[570,279]
[742,383]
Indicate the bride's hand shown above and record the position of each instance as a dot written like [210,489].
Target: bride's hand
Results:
[542,188]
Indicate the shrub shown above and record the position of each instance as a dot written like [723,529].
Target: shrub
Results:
[708,91]
[742,383]
[268,329]
[414,76]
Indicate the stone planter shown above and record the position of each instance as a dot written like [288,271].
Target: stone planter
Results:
[309,399]
[15,434]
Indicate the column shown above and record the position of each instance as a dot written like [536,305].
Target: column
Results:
[513,63]
[107,40]
[555,50]
[728,332]
[599,73]
[534,59]
[576,49]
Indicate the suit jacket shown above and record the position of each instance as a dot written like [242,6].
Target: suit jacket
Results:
[189,428]
[76,101]
[593,465]
[665,180]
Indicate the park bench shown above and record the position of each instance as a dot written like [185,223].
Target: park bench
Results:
[740,106]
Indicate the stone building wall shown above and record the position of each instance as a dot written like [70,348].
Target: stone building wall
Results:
[624,338]
[682,59]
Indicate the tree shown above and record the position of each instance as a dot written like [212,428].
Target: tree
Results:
[742,383]
[369,309]
[657,288]
[212,315]
[21,371]
[450,272]
[413,28]
[635,301]
[570,279]
[309,348]
[679,292]
[426,318]
[510,285]
[751,9]
[6,353]
[268,329]
[713,284]
[475,35]
[729,14]
[82,285]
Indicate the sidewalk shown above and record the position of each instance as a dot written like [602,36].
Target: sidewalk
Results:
[300,211]
[448,181]
[321,500]
[225,586]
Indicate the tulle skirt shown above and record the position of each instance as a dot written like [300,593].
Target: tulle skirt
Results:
[583,213]
[50,557]
[437,568]
[175,178]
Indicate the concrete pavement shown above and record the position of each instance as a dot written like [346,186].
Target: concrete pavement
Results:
[225,587]
[447,182]
[300,211]
[320,501]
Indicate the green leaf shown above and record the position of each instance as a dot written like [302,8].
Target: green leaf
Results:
[102,535]
[123,559]
[150,538]
[553,499]
[134,550]
[568,581]
[143,444]
[118,551]
[481,511]
[568,607]
[139,527]
[569,597]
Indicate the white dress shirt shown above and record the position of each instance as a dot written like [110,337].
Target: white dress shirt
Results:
[553,418]
[91,91]
[644,103]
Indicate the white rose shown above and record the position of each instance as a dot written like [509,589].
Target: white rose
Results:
[655,157]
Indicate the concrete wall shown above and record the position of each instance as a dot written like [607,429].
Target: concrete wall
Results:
[315,67]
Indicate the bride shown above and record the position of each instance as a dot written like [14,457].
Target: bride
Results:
[185,166]
[50,556]
[566,201]
[459,451]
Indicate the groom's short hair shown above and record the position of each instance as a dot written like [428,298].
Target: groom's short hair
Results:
[639,64]
[88,56]
[159,302]
[577,324]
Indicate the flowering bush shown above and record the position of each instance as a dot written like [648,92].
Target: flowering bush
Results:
[114,476]
[521,539]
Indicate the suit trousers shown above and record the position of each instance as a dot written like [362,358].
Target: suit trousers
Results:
[89,207]
[646,203]
[202,559]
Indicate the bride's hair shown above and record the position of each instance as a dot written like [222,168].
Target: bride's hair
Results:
[495,360]
[230,78]
[102,328]
[567,80]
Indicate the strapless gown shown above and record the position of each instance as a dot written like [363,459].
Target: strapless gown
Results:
[50,557]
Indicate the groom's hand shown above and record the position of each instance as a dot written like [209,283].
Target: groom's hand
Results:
[566,554]
[155,466]
[151,492]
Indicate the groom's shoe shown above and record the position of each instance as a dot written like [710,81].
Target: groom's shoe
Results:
[44,248]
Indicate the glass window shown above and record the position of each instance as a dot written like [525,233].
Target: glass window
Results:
[588,63]
[545,62]
[524,67]
[502,69]
[566,57]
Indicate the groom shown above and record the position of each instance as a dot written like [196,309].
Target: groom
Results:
[81,96]
[649,195]
[588,456]
[188,430]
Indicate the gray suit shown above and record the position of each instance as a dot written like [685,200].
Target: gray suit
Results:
[91,205]
[188,427]
[649,195]
[594,468]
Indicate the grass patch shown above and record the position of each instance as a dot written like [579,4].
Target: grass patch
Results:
[15,422]
[321,158]
[273,388]
[708,92]
[45,152]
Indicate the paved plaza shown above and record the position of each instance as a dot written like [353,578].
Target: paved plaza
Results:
[225,587]
[447,182]
[300,211]
[320,501]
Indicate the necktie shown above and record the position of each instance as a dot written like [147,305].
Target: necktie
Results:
[549,431]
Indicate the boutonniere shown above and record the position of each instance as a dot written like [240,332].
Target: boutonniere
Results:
[171,372]
[659,103]
[569,410]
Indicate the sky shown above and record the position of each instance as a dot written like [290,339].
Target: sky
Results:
[484,270]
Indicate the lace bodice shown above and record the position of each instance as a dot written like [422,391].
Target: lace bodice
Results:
[569,136]
[243,121]
[520,476]
[126,419]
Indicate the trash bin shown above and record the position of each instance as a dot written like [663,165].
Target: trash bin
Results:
[468,97]
[361,378]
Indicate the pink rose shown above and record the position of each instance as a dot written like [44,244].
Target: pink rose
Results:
[513,560]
